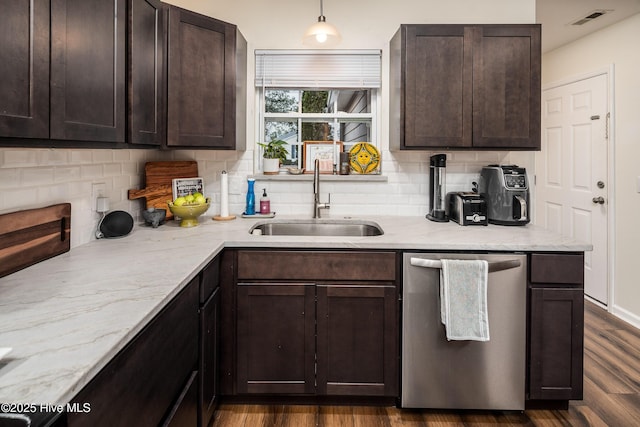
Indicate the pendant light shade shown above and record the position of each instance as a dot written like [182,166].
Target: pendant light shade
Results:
[321,34]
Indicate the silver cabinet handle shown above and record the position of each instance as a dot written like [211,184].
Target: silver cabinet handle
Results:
[493,266]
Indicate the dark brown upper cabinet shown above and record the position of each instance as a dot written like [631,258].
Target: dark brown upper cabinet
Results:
[24,67]
[88,45]
[465,87]
[63,71]
[79,73]
[206,77]
[147,76]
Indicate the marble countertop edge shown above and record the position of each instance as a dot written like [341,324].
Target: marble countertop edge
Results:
[68,316]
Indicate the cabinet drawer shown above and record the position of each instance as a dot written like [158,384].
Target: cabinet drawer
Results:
[557,268]
[210,279]
[314,265]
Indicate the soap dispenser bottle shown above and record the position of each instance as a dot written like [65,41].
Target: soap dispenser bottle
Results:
[265,203]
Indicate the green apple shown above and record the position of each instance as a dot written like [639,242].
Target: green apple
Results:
[179,201]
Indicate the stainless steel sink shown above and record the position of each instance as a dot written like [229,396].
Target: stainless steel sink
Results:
[317,227]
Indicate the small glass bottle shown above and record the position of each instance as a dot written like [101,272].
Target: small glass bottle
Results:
[250,209]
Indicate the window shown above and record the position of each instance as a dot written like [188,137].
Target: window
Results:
[317,96]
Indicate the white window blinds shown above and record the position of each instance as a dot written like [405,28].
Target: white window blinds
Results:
[318,68]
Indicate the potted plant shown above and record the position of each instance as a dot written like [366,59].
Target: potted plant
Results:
[273,154]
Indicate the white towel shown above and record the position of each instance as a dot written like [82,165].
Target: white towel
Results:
[463,299]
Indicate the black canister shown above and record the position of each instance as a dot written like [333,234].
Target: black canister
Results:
[437,182]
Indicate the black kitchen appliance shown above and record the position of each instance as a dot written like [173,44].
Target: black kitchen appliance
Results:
[467,208]
[437,181]
[506,190]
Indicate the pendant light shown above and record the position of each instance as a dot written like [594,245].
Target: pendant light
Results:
[321,34]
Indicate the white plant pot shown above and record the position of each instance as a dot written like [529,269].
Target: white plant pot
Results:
[270,166]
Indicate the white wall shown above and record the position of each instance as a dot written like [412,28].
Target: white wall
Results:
[617,45]
[38,177]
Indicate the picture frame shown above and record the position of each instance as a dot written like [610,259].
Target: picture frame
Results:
[326,151]
[184,186]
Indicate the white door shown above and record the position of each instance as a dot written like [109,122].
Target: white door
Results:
[571,172]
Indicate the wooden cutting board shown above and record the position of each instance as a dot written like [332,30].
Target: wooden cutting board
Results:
[158,178]
[30,236]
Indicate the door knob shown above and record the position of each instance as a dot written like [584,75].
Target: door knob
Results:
[598,200]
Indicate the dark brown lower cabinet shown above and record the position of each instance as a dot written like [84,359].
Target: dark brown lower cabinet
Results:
[314,323]
[276,338]
[185,411]
[209,342]
[151,378]
[556,326]
[357,340]
[348,347]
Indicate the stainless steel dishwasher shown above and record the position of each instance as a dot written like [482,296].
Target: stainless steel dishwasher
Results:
[437,373]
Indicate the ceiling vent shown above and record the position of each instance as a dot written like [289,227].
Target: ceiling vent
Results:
[594,14]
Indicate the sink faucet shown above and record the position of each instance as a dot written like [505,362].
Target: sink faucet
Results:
[316,192]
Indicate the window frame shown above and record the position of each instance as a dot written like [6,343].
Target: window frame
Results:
[373,118]
[318,70]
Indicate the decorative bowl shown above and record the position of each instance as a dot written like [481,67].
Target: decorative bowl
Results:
[154,217]
[188,214]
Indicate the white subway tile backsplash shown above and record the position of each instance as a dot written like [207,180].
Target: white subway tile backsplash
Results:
[19,158]
[112,169]
[36,176]
[122,156]
[81,156]
[92,171]
[102,156]
[50,157]
[66,175]
[9,178]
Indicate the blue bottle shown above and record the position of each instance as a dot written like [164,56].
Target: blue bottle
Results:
[251,198]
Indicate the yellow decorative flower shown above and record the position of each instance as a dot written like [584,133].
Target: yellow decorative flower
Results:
[364,158]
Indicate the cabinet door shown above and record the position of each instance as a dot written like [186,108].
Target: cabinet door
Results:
[209,345]
[88,70]
[147,72]
[201,97]
[437,92]
[357,340]
[24,67]
[556,349]
[506,86]
[185,410]
[276,338]
[143,382]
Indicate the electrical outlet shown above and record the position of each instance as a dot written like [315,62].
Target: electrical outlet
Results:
[98,189]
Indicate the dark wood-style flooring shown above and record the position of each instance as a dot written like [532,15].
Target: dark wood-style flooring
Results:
[611,395]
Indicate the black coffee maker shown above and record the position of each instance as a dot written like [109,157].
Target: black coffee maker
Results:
[437,182]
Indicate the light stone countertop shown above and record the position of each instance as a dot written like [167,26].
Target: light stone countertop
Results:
[66,317]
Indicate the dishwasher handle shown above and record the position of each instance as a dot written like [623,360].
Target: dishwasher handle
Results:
[493,265]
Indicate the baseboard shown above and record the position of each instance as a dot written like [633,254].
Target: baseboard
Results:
[596,302]
[626,315]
